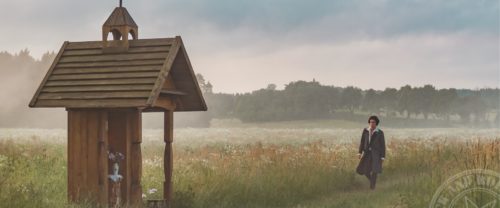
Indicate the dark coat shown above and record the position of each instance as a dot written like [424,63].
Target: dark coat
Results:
[372,153]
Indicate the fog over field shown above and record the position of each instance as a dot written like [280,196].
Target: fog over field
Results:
[196,137]
[240,47]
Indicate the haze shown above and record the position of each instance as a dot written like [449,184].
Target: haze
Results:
[241,46]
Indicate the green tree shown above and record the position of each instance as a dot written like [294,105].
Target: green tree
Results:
[307,99]
[371,101]
[271,87]
[423,99]
[205,87]
[442,102]
[404,100]
[389,99]
[351,98]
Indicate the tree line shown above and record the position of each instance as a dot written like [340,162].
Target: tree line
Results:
[302,100]
[20,75]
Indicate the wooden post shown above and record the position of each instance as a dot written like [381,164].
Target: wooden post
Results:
[168,130]
[103,157]
[72,142]
[135,127]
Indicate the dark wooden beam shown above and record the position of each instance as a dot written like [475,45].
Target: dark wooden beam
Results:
[103,157]
[172,92]
[168,157]
[135,131]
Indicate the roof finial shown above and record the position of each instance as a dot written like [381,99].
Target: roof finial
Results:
[120,3]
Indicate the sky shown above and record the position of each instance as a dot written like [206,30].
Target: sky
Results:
[241,46]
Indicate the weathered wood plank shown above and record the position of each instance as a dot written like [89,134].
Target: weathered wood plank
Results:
[146,62]
[135,126]
[181,77]
[102,82]
[185,85]
[151,42]
[172,92]
[200,104]
[149,49]
[93,95]
[77,156]
[104,76]
[165,103]
[166,68]
[107,69]
[72,144]
[152,109]
[168,156]
[83,52]
[112,57]
[101,88]
[133,43]
[108,103]
[182,80]
[103,157]
[92,153]
[180,69]
[168,84]
[99,51]
[84,45]
[82,157]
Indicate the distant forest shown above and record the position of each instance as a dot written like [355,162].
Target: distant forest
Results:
[418,106]
[408,106]
[20,75]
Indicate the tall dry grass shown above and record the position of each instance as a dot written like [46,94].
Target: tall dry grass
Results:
[247,170]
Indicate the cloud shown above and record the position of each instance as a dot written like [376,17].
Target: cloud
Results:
[370,63]
[261,41]
[372,18]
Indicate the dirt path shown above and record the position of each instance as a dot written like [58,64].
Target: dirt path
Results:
[386,194]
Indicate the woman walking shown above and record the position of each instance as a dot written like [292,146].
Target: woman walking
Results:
[371,151]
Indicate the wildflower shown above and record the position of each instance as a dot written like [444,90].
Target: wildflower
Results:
[152,191]
[115,157]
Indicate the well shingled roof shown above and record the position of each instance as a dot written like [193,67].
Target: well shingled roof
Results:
[83,76]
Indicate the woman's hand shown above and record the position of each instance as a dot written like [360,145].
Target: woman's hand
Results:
[359,156]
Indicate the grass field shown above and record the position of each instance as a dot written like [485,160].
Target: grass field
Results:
[256,166]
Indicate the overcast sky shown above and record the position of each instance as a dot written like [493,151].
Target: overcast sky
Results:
[240,46]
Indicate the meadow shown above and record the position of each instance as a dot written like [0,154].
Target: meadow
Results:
[271,165]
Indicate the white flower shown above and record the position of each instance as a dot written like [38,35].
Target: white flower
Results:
[152,191]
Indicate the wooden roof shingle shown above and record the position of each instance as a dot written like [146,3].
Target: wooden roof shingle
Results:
[120,16]
[84,76]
